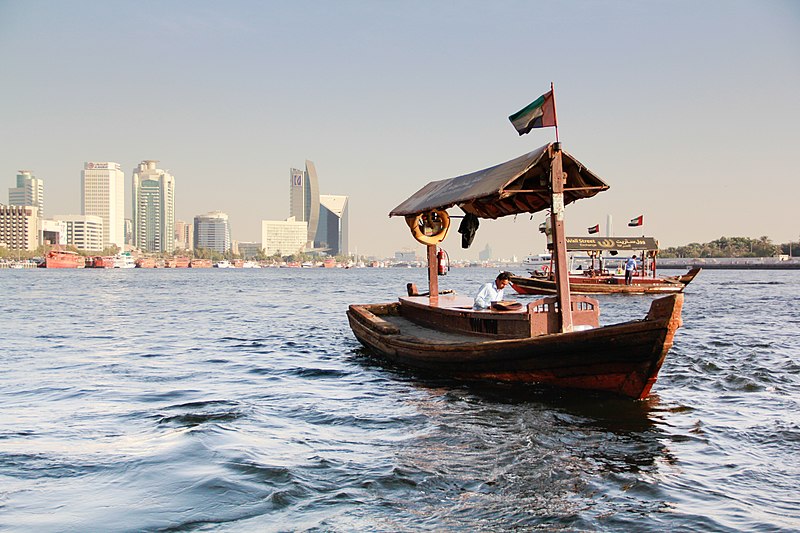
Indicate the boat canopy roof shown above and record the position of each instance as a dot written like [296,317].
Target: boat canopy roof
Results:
[517,186]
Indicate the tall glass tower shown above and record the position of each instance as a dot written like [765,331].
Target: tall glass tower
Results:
[29,191]
[304,198]
[333,232]
[213,232]
[153,208]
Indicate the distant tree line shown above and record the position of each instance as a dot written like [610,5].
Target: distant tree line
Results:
[733,247]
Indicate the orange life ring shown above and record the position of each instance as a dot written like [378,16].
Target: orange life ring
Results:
[437,222]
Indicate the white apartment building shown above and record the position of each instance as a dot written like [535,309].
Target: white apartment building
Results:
[153,208]
[29,191]
[84,232]
[284,237]
[19,227]
[103,195]
[53,232]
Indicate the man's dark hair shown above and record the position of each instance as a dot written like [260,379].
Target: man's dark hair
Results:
[504,276]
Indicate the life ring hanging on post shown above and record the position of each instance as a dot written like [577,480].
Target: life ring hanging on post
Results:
[429,228]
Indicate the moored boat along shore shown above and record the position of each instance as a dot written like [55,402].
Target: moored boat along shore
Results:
[732,263]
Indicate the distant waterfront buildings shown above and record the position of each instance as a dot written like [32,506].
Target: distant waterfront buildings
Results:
[53,232]
[283,237]
[249,250]
[84,232]
[103,195]
[184,235]
[332,231]
[326,216]
[153,208]
[304,199]
[19,227]
[29,191]
[212,232]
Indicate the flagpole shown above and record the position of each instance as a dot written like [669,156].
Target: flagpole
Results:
[555,114]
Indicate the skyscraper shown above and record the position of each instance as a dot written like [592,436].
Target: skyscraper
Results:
[184,238]
[212,231]
[333,228]
[153,208]
[304,198]
[29,191]
[103,195]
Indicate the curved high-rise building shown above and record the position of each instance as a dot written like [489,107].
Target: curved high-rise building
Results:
[333,233]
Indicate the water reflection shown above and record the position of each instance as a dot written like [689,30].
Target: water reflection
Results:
[522,455]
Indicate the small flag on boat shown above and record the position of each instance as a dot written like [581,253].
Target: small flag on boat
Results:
[541,113]
[636,221]
[594,229]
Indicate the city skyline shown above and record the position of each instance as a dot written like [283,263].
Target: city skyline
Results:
[386,98]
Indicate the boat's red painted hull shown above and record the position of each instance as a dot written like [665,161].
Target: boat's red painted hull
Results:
[605,285]
[622,359]
[56,259]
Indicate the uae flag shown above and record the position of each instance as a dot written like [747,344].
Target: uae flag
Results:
[594,229]
[541,113]
[636,221]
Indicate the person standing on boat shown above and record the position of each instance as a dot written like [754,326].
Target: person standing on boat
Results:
[630,266]
[491,292]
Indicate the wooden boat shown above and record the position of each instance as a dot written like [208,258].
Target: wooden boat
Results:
[63,259]
[199,263]
[146,262]
[538,343]
[100,261]
[597,278]
[593,283]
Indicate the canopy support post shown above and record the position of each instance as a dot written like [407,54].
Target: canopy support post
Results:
[433,275]
[559,240]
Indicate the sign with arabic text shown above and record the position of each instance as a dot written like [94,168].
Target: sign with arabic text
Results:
[575,244]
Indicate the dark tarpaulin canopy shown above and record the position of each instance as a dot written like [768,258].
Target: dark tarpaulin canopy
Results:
[517,186]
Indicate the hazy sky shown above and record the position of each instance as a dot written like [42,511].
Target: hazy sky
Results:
[689,109]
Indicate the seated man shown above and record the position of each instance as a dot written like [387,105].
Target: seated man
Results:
[491,292]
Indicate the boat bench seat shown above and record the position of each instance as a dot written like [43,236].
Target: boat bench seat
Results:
[454,313]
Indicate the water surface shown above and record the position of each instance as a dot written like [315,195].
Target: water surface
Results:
[238,400]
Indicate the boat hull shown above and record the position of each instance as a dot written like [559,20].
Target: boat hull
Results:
[58,259]
[605,285]
[622,359]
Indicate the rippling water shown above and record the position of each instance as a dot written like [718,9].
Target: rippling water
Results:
[238,400]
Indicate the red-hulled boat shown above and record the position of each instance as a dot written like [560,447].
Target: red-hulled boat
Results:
[146,262]
[99,261]
[63,259]
[200,263]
